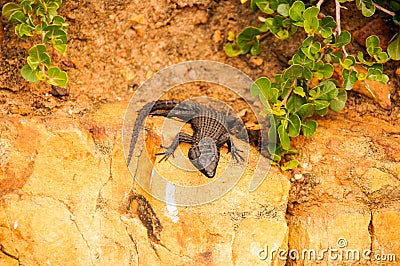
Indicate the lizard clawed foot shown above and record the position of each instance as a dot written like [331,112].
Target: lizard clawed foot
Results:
[169,151]
[236,154]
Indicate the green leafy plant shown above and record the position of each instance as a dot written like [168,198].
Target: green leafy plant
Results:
[39,17]
[308,87]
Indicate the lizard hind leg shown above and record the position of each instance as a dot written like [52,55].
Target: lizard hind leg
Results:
[180,137]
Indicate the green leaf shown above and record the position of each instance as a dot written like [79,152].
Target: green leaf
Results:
[349,62]
[61,48]
[290,165]
[24,30]
[52,8]
[322,112]
[311,12]
[314,93]
[372,41]
[38,55]
[360,57]
[294,125]
[296,11]
[262,87]
[394,49]
[375,72]
[278,111]
[283,9]
[327,71]
[311,22]
[55,35]
[29,74]
[306,110]
[230,51]
[382,57]
[295,102]
[256,48]
[343,39]
[292,72]
[272,137]
[320,104]
[328,90]
[307,41]
[263,5]
[338,103]
[309,128]
[362,76]
[10,8]
[246,36]
[276,158]
[327,27]
[57,77]
[299,91]
[18,17]
[27,5]
[284,138]
[59,21]
[366,6]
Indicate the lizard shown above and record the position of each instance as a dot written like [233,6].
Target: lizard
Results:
[210,132]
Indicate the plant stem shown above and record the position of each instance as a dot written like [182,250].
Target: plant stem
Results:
[283,102]
[337,14]
[384,9]
[338,25]
[319,4]
[264,35]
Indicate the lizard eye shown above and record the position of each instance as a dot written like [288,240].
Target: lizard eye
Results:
[205,156]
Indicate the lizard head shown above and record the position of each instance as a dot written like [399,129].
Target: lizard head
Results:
[205,156]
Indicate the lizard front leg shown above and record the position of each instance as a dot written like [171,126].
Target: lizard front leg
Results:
[180,137]
[226,138]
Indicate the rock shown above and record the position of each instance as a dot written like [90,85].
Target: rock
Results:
[262,236]
[140,31]
[65,194]
[378,27]
[138,19]
[349,177]
[374,180]
[45,220]
[380,92]
[257,61]
[57,91]
[223,225]
[328,226]
[62,194]
[217,36]
[385,225]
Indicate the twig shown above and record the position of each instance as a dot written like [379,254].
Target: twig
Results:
[319,4]
[338,25]
[384,9]
[264,35]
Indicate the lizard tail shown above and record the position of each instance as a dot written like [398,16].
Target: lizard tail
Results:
[143,113]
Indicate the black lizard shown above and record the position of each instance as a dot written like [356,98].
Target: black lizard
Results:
[210,132]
